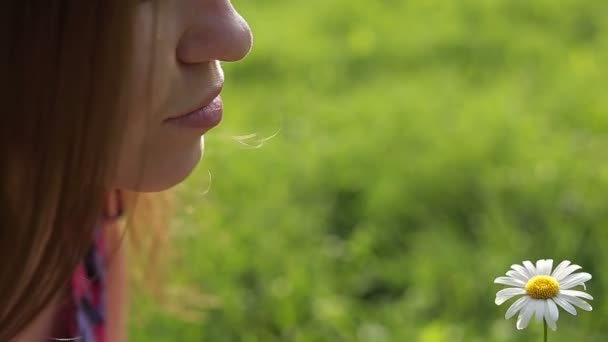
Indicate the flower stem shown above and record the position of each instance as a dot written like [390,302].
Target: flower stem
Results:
[545,324]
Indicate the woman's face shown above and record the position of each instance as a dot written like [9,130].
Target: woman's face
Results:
[176,70]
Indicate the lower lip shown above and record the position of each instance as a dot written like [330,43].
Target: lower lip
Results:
[203,118]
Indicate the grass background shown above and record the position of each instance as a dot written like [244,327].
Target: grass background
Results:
[424,147]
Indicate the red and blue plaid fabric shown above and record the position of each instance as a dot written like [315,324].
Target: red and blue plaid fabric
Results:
[88,303]
[83,318]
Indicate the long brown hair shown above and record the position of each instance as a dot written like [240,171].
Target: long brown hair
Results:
[62,85]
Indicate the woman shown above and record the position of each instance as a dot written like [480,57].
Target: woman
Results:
[98,97]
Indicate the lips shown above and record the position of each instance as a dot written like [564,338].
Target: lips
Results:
[205,117]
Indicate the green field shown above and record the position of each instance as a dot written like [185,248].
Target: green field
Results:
[423,147]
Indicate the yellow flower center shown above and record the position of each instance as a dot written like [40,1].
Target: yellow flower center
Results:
[542,287]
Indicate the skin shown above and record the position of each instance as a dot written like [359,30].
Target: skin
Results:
[184,50]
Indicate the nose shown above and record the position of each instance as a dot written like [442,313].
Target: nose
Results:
[215,32]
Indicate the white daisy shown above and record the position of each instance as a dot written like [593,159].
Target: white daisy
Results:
[542,290]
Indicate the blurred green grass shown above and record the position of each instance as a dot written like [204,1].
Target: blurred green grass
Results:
[424,147]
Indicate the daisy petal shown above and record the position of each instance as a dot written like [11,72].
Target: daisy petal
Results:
[510,291]
[565,305]
[552,311]
[575,293]
[574,280]
[517,275]
[540,266]
[560,267]
[543,266]
[501,299]
[540,310]
[566,272]
[577,301]
[522,270]
[530,267]
[524,316]
[506,294]
[509,281]
[516,306]
[548,267]
[551,323]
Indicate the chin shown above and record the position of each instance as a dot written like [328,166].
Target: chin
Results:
[164,173]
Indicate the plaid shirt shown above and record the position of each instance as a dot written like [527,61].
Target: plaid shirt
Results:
[83,317]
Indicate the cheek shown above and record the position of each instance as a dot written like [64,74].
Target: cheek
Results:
[145,79]
[154,156]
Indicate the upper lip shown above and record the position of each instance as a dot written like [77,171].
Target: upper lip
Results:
[201,104]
